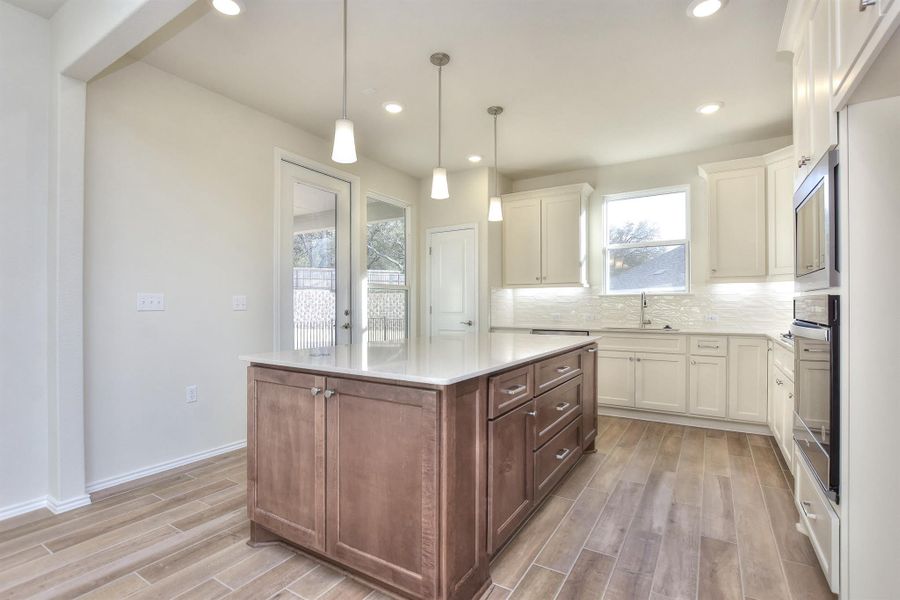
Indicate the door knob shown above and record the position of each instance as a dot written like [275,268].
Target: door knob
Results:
[345,326]
[469,322]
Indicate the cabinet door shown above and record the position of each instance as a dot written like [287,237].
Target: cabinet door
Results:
[659,382]
[382,466]
[778,381]
[589,396]
[522,242]
[708,392]
[562,242]
[737,228]
[780,200]
[823,130]
[286,454]
[510,474]
[615,378]
[852,29]
[747,379]
[801,112]
[787,424]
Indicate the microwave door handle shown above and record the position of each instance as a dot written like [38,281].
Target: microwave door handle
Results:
[811,332]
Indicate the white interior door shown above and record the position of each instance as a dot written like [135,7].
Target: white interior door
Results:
[452,281]
[314,259]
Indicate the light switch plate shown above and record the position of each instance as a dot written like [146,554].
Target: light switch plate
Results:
[239,303]
[151,302]
[191,394]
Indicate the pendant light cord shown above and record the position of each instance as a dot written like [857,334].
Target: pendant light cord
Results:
[496,172]
[440,72]
[344,101]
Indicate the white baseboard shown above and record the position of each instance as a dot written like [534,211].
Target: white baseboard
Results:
[21,508]
[688,420]
[60,506]
[102,484]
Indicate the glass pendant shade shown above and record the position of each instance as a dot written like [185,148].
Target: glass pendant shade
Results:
[439,188]
[495,209]
[344,144]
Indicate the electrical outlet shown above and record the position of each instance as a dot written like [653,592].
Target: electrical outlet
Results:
[151,302]
[712,318]
[554,316]
[191,394]
[239,303]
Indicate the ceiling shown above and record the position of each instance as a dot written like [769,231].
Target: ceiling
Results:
[583,82]
[43,8]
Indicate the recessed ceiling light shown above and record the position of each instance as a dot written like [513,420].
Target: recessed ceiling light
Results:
[704,8]
[709,108]
[474,158]
[393,107]
[228,7]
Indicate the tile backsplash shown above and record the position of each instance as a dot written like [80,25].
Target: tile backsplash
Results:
[744,307]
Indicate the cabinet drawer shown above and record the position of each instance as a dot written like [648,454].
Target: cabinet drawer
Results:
[784,360]
[553,371]
[812,350]
[509,390]
[819,519]
[709,345]
[556,409]
[643,342]
[556,458]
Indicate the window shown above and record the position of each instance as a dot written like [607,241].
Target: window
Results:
[387,229]
[646,241]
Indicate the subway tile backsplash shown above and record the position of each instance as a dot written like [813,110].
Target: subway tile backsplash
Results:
[739,307]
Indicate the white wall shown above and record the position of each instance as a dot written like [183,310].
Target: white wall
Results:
[665,171]
[24,151]
[179,200]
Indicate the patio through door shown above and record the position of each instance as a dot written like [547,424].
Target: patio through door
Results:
[314,259]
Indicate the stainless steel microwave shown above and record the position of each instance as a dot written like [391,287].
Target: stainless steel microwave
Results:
[816,260]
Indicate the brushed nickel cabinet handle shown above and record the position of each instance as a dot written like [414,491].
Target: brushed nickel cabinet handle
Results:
[531,413]
[864,4]
[562,454]
[779,382]
[562,406]
[809,515]
[517,389]
[711,346]
[815,351]
[469,322]
[315,391]
[592,349]
[562,370]
[329,393]
[693,362]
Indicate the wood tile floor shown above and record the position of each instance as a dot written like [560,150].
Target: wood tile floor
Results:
[659,512]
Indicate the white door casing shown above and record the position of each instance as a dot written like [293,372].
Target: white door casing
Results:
[291,176]
[452,279]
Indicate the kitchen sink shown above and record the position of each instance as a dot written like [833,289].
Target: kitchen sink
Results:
[664,329]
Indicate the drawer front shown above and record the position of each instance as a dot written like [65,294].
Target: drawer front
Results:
[709,345]
[812,350]
[509,390]
[784,360]
[556,409]
[551,372]
[819,519]
[555,459]
[643,342]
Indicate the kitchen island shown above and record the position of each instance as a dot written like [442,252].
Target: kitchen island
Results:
[412,463]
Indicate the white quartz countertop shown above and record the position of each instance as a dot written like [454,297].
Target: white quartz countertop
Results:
[437,360]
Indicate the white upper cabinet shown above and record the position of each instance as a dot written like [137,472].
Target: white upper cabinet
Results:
[823,119]
[801,111]
[855,22]
[737,223]
[545,237]
[780,215]
[521,250]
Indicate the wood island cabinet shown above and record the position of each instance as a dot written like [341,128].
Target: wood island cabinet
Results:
[414,486]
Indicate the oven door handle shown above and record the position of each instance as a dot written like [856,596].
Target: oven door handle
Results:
[812,332]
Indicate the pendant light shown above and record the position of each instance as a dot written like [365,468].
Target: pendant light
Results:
[439,187]
[495,205]
[344,150]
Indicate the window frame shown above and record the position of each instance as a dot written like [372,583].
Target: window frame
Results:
[686,241]
[409,262]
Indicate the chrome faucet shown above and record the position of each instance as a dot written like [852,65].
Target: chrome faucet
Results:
[644,320]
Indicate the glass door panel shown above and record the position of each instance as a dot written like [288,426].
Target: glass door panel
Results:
[386,264]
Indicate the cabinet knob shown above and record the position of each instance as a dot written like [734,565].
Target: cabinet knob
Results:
[315,391]
[637,359]
[779,382]
[538,278]
[791,396]
[864,4]
[693,362]
[531,413]
[329,393]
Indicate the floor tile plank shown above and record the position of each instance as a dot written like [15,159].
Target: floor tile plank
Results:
[278,578]
[676,570]
[720,576]
[609,531]
[792,545]
[807,582]
[118,588]
[538,584]
[624,585]
[579,477]
[767,468]
[588,578]
[565,544]
[259,562]
[717,515]
[316,582]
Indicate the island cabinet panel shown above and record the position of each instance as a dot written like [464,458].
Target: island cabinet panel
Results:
[286,455]
[510,474]
[382,482]
[555,410]
[589,396]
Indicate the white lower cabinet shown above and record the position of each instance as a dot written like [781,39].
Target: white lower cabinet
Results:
[782,413]
[615,378]
[707,386]
[748,359]
[659,382]
[820,520]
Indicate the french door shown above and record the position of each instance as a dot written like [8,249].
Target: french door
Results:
[314,259]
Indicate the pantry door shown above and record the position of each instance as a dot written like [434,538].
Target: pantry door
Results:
[452,280]
[314,307]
